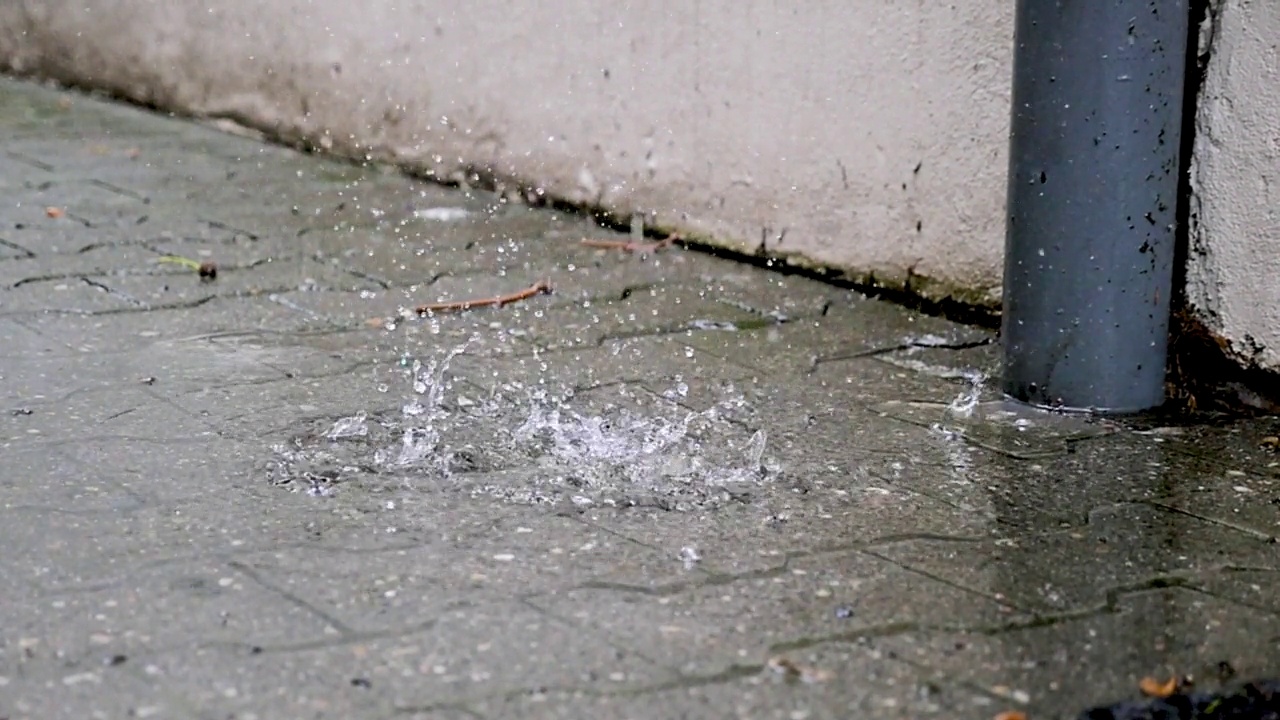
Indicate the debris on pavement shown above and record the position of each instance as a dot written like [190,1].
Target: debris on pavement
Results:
[539,288]
[792,670]
[54,212]
[1152,687]
[1011,715]
[207,270]
[1256,700]
[630,246]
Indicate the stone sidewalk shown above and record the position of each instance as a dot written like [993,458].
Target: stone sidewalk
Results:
[672,487]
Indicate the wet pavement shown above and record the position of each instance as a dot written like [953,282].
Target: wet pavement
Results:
[673,487]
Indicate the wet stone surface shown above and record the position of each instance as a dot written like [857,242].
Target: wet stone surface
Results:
[673,487]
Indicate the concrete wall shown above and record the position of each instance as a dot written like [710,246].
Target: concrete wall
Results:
[1234,269]
[869,136]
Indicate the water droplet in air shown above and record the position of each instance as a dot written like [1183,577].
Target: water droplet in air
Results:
[689,556]
[353,426]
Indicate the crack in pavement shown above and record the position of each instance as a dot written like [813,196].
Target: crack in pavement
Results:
[22,253]
[113,292]
[218,225]
[1028,621]
[28,160]
[180,305]
[817,360]
[230,554]
[600,632]
[711,578]
[680,682]
[124,192]
[345,639]
[157,272]
[1243,529]
[297,600]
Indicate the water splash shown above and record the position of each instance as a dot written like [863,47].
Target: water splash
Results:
[420,436]
[966,402]
[689,557]
[622,456]
[638,447]
[348,427]
[442,214]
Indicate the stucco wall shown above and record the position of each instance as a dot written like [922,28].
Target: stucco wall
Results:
[1234,269]
[868,136]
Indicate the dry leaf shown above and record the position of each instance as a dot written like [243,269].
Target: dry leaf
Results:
[1011,715]
[1152,687]
[54,212]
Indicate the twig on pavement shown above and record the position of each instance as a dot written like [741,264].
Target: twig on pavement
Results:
[629,246]
[538,288]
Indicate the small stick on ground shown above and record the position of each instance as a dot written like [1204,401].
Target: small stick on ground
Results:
[539,288]
[629,246]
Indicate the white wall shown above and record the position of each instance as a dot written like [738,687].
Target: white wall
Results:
[802,124]
[1234,269]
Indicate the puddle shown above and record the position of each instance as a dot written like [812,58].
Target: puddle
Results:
[1002,426]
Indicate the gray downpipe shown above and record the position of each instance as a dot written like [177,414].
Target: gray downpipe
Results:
[1093,189]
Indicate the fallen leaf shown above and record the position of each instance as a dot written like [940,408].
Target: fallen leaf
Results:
[1011,715]
[54,212]
[1152,687]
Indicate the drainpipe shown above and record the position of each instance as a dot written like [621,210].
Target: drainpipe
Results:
[1093,189]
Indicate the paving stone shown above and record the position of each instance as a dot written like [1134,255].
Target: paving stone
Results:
[676,486]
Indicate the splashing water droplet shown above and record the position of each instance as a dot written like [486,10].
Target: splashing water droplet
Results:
[689,556]
[755,449]
[420,441]
[679,391]
[965,403]
[442,214]
[347,427]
